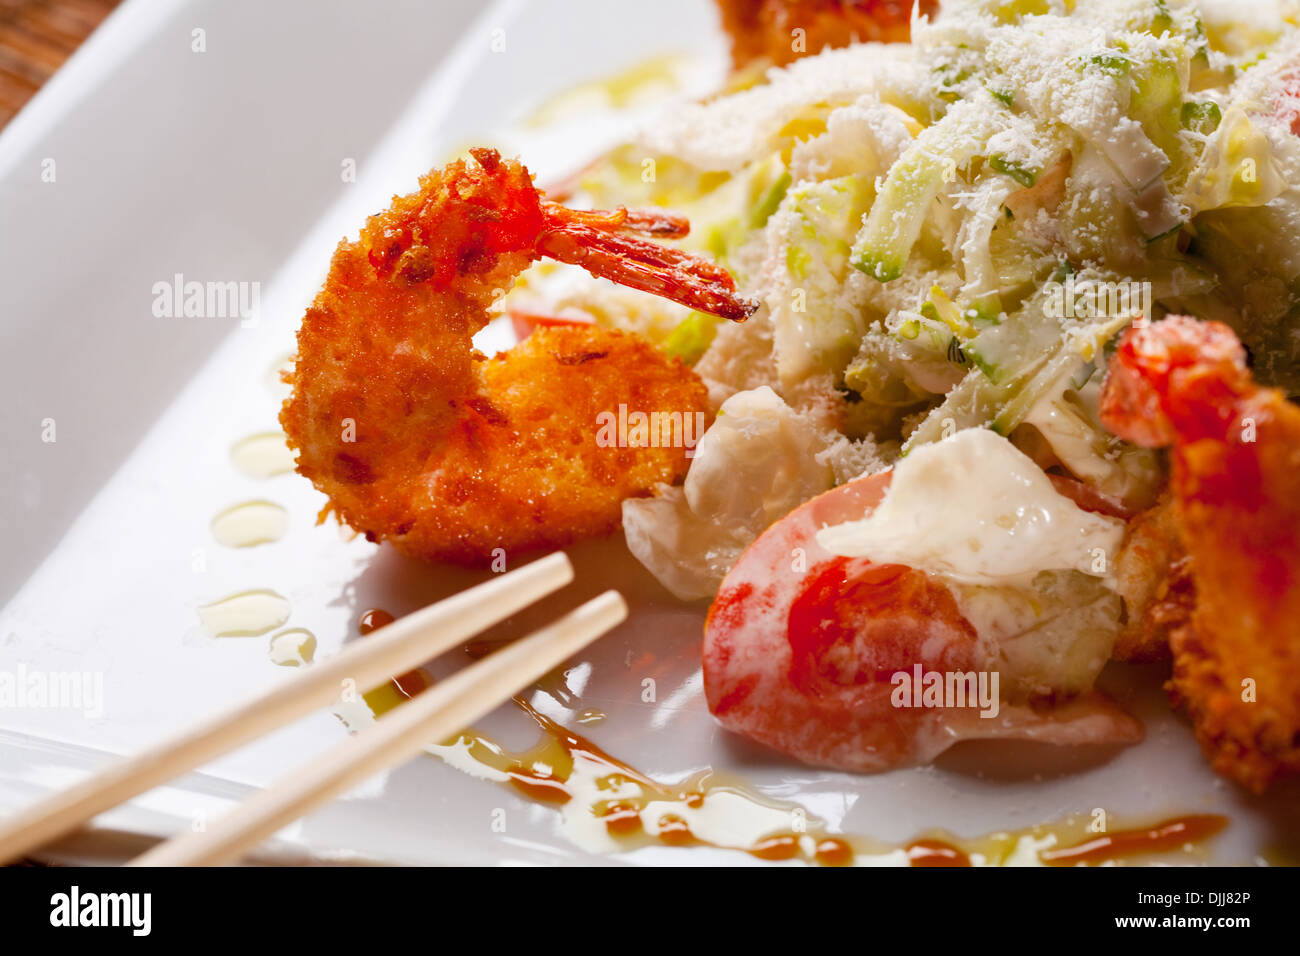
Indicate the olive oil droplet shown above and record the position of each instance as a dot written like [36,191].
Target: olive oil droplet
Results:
[247,614]
[295,647]
[263,455]
[250,523]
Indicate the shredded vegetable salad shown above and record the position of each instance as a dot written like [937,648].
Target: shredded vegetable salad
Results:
[950,234]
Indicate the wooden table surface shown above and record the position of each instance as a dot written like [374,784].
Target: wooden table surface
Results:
[36,36]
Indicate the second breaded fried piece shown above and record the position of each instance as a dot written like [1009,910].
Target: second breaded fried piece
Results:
[784,30]
[1236,488]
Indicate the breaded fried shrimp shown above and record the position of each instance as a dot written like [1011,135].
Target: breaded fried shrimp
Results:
[419,439]
[783,30]
[1236,492]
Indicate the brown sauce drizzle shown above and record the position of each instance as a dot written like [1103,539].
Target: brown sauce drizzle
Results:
[1163,837]
[544,788]
[782,846]
[833,851]
[373,620]
[674,831]
[543,773]
[934,853]
[622,819]
[404,685]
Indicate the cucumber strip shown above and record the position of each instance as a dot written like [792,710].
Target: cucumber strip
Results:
[771,182]
[1203,118]
[1112,64]
[1017,363]
[1006,352]
[1017,171]
[983,283]
[1077,350]
[1005,97]
[692,337]
[1157,105]
[915,181]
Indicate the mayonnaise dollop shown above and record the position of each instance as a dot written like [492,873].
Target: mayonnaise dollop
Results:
[976,510]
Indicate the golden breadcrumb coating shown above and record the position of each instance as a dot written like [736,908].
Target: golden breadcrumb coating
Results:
[1236,491]
[784,30]
[417,438]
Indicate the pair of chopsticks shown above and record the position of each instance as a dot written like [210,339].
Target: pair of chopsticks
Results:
[431,716]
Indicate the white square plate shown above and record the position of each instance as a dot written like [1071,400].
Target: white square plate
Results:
[228,165]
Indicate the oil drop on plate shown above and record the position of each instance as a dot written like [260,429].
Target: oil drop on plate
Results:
[247,614]
[250,523]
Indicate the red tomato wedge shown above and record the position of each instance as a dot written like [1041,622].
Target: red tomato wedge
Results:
[801,646]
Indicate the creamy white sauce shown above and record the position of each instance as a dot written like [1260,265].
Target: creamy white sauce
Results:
[975,510]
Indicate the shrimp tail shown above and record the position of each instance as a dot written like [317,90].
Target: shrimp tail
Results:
[1179,378]
[609,245]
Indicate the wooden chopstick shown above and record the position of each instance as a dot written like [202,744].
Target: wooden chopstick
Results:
[395,649]
[430,717]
